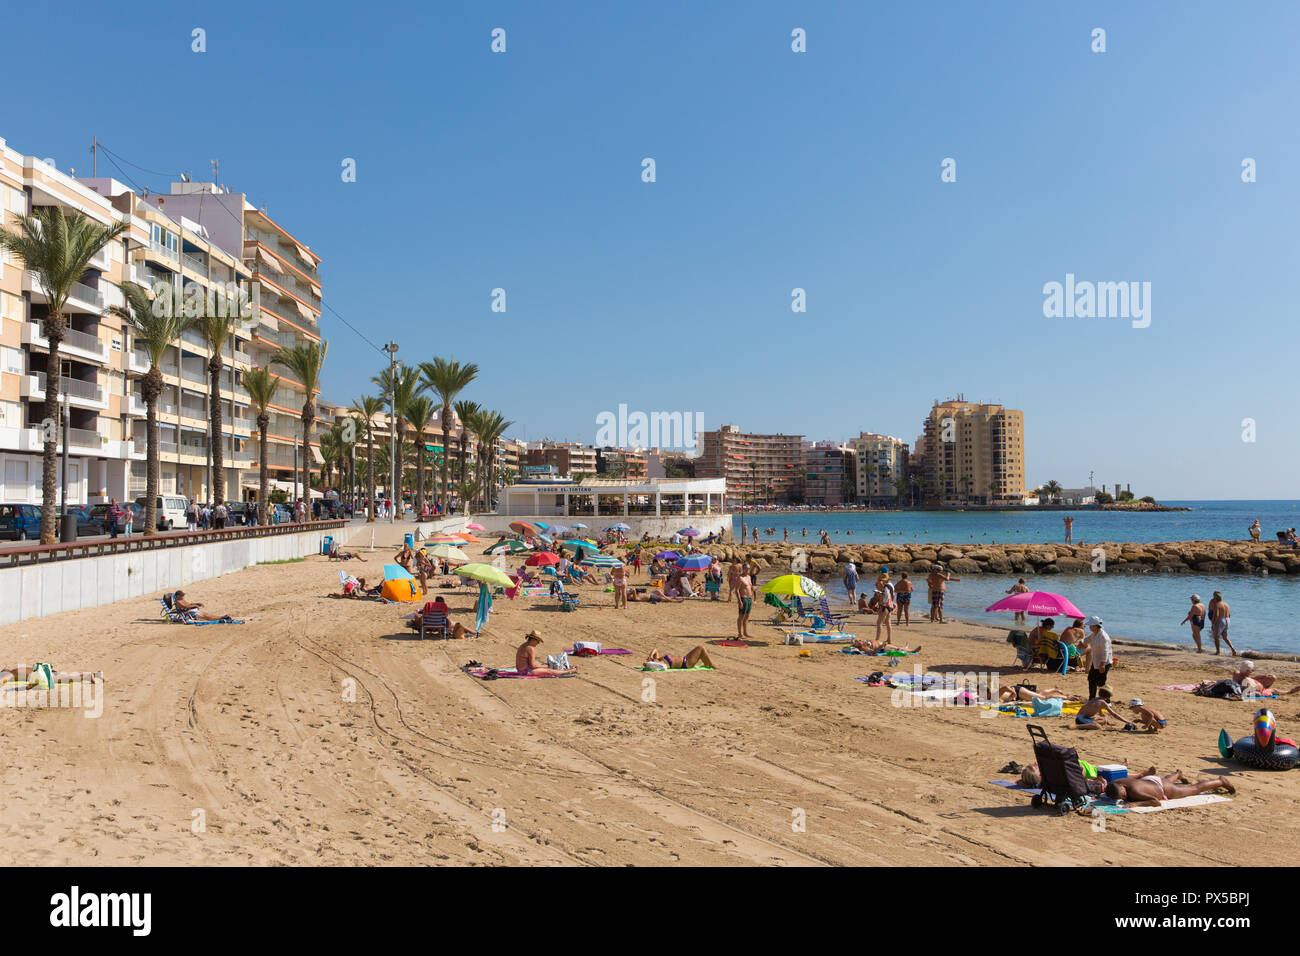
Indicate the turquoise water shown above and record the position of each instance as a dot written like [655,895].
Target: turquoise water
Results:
[1143,607]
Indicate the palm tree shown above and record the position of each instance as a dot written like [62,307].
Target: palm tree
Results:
[1053,489]
[216,328]
[57,250]
[419,413]
[993,491]
[447,378]
[261,385]
[467,412]
[305,362]
[368,407]
[491,426]
[157,333]
[330,440]
[472,417]
[900,488]
[966,481]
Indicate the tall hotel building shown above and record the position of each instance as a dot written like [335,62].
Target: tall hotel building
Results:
[759,468]
[974,454]
[199,234]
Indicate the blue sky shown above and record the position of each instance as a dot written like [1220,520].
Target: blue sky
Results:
[775,170]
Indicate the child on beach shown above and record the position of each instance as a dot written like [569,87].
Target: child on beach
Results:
[1095,710]
[1152,721]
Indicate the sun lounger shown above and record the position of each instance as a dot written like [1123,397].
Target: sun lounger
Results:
[176,616]
[829,616]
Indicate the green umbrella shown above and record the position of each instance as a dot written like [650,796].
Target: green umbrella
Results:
[509,546]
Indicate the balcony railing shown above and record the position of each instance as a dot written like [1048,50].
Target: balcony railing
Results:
[74,387]
[162,249]
[194,262]
[84,438]
[86,294]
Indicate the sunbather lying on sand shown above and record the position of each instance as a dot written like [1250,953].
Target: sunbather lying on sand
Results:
[867,646]
[651,595]
[34,675]
[356,588]
[1023,692]
[526,659]
[696,655]
[1149,789]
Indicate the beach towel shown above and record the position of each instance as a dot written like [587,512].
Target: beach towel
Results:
[588,652]
[854,650]
[652,670]
[1200,800]
[1175,687]
[1015,710]
[488,673]
[822,637]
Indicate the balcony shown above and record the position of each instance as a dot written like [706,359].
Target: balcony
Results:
[85,295]
[160,249]
[82,394]
[84,438]
[195,263]
[137,361]
[75,344]
[242,424]
[136,406]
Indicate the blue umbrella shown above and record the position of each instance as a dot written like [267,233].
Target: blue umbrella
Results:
[579,524]
[541,524]
[694,562]
[559,529]
[618,527]
[667,556]
[395,572]
[601,561]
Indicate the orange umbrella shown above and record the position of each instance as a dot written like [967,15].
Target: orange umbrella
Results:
[469,537]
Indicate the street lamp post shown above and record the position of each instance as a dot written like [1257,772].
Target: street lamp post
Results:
[394,492]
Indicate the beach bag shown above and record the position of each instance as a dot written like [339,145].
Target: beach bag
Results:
[794,639]
[1224,689]
[43,675]
[655,666]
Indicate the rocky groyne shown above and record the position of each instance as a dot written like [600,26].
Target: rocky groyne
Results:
[1203,557]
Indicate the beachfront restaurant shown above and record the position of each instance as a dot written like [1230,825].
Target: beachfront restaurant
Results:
[645,504]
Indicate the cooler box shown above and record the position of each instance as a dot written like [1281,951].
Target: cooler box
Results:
[326,544]
[1112,771]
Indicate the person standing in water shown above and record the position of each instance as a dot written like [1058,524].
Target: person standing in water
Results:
[1196,618]
[1220,615]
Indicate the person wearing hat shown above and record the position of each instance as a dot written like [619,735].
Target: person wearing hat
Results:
[1101,655]
[1152,721]
[1196,618]
[526,660]
[851,581]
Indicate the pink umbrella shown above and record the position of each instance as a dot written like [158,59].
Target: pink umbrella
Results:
[1038,604]
[475,527]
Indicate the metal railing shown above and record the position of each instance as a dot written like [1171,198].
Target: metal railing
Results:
[45,553]
[84,438]
[86,294]
[162,249]
[73,386]
[194,262]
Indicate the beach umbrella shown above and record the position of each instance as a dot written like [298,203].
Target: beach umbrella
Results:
[395,572]
[618,527]
[579,544]
[468,538]
[486,574]
[523,527]
[601,561]
[542,559]
[689,533]
[579,524]
[475,527]
[795,584]
[544,539]
[694,562]
[543,525]
[448,553]
[509,546]
[441,538]
[1038,604]
[559,529]
[667,556]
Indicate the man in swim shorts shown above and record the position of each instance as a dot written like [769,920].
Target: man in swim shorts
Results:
[745,604]
[526,659]
[1149,789]
[1220,615]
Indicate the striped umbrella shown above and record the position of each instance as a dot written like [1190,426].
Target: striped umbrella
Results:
[509,546]
[444,538]
[694,562]
[601,561]
[689,533]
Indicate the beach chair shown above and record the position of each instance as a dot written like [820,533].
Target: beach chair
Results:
[176,616]
[827,614]
[1063,784]
[568,602]
[1020,641]
[434,622]
[799,612]
[1051,654]
[781,612]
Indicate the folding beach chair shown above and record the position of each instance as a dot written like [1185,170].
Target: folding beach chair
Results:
[829,616]
[434,623]
[568,602]
[781,612]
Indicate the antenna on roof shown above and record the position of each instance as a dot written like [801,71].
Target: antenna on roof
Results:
[216,176]
[185,177]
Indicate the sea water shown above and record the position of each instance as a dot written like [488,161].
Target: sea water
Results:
[1138,606]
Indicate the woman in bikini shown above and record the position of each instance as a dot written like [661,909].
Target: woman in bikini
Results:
[696,655]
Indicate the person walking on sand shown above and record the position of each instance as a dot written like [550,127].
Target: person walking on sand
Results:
[1069,528]
[1220,615]
[938,581]
[903,594]
[1196,618]
[744,604]
[1100,656]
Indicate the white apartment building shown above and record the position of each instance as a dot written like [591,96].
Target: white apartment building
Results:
[881,459]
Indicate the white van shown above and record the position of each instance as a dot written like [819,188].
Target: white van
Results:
[171,510]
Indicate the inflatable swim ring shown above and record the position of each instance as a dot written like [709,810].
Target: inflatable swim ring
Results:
[1264,749]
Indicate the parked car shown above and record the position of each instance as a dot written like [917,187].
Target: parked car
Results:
[20,522]
[170,511]
[283,514]
[237,512]
[87,522]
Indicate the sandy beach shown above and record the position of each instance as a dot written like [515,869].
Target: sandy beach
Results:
[237,744]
